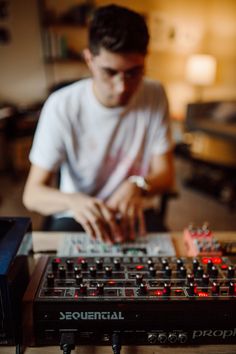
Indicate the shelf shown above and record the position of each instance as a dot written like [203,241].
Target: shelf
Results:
[63,60]
[63,23]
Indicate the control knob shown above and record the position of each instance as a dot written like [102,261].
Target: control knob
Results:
[162,338]
[69,264]
[99,263]
[78,279]
[83,288]
[62,271]
[100,288]
[117,263]
[232,288]
[167,289]
[205,279]
[142,289]
[215,289]
[84,264]
[108,271]
[152,271]
[50,279]
[231,272]
[139,278]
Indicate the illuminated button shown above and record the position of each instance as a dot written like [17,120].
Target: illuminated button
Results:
[217,260]
[50,279]
[202,294]
[139,267]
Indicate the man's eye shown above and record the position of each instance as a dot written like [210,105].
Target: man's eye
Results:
[134,72]
[110,72]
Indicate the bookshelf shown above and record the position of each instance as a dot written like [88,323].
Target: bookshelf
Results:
[64,36]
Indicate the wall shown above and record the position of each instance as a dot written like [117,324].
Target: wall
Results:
[186,26]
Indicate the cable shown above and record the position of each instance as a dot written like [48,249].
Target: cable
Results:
[67,342]
[116,343]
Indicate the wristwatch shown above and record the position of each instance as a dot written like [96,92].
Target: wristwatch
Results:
[140,182]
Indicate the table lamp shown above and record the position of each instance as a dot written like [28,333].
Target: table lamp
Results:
[201,72]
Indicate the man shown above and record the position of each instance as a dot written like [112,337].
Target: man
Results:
[108,135]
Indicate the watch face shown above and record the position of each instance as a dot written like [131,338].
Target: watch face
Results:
[139,181]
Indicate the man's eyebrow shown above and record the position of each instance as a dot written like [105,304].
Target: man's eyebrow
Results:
[111,70]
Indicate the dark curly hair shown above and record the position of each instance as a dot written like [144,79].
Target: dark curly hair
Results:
[117,29]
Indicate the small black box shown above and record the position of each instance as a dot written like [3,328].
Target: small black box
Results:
[14,277]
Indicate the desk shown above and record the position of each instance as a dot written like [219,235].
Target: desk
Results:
[50,242]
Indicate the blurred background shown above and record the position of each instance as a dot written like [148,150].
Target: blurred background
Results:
[192,51]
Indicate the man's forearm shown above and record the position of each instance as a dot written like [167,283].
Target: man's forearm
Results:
[159,183]
[46,200]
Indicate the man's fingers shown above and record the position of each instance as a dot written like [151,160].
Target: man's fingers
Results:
[141,223]
[113,228]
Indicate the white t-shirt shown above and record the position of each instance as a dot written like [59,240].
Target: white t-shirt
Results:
[99,147]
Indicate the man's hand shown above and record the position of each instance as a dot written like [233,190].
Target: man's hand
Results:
[95,217]
[127,201]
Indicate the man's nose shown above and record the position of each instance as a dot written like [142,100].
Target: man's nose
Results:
[120,83]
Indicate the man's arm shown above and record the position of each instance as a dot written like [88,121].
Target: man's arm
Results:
[128,198]
[95,217]
[161,174]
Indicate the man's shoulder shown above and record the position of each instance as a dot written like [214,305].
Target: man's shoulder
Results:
[70,88]
[152,85]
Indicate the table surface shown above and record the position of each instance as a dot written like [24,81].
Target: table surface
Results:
[51,240]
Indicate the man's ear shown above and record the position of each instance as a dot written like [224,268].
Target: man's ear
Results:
[87,57]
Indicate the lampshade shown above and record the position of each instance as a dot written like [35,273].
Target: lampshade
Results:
[201,69]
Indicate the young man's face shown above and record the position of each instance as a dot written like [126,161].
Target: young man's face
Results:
[116,76]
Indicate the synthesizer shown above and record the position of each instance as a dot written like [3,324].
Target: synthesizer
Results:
[14,276]
[141,299]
